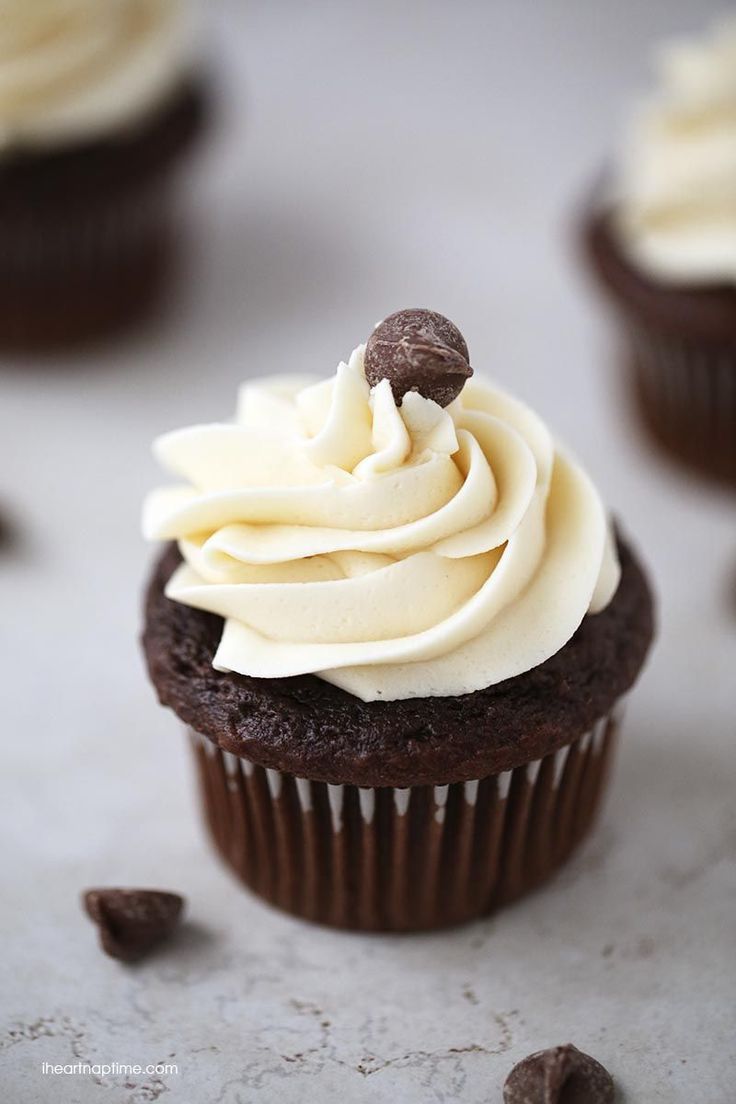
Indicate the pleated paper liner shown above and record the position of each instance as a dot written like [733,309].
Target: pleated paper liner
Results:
[84,273]
[686,393]
[402,859]
[86,233]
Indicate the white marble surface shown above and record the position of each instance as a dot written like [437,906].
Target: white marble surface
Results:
[383,155]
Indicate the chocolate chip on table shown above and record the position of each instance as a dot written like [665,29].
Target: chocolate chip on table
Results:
[131,921]
[560,1075]
[418,350]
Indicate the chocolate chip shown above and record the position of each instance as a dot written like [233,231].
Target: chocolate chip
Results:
[560,1075]
[131,921]
[418,350]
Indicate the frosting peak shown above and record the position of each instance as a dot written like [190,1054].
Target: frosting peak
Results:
[76,69]
[677,201]
[396,551]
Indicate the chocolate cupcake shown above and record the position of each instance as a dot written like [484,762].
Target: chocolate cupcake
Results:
[98,103]
[662,242]
[399,629]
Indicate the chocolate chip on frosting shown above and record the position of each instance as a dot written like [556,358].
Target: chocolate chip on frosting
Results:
[418,350]
[131,921]
[560,1075]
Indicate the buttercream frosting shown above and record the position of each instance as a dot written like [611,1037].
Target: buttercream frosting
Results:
[72,70]
[396,551]
[677,181]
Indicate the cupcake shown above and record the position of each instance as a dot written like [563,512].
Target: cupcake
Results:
[399,628]
[99,100]
[661,240]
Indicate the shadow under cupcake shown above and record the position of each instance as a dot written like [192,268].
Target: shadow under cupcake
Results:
[399,629]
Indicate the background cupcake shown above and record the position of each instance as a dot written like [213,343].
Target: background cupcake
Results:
[98,101]
[663,244]
[400,635]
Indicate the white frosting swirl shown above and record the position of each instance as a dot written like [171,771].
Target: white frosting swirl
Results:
[394,551]
[75,69]
[677,186]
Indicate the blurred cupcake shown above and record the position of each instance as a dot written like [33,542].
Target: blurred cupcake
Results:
[99,100]
[663,244]
[399,629]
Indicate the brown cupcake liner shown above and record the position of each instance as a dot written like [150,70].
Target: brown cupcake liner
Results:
[33,248]
[86,231]
[402,859]
[686,391]
[84,272]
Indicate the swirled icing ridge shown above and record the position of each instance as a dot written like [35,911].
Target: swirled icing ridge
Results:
[75,70]
[396,551]
[677,181]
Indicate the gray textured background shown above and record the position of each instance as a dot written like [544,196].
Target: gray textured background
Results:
[370,157]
